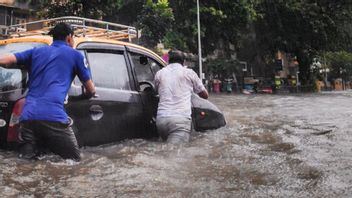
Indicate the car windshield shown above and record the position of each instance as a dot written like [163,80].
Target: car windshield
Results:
[11,79]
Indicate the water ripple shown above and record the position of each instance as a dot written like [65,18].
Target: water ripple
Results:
[272,146]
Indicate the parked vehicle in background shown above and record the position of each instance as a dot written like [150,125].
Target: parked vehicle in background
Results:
[123,73]
[265,86]
[250,84]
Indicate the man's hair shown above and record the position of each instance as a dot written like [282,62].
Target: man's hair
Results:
[176,56]
[61,31]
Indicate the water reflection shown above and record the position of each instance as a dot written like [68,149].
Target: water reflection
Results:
[273,146]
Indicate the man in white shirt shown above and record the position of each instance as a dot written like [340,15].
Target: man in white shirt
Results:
[175,84]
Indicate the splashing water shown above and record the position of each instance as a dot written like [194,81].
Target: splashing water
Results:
[272,146]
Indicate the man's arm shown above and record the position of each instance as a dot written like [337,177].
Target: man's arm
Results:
[203,94]
[90,88]
[87,93]
[7,60]
[198,86]
[84,76]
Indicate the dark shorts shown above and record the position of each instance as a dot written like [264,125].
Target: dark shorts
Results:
[36,136]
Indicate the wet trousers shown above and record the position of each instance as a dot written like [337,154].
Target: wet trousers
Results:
[174,129]
[36,136]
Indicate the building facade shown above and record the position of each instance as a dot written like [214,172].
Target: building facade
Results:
[15,12]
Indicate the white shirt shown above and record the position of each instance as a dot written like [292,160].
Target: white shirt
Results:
[175,85]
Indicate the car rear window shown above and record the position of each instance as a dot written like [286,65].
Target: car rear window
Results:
[11,79]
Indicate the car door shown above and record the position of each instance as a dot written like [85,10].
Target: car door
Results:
[116,113]
[145,67]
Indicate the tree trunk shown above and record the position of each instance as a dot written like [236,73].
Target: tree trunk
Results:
[304,67]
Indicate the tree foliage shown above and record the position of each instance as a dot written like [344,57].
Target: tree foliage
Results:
[154,21]
[340,64]
[222,23]
[259,28]
[303,28]
[96,9]
[224,68]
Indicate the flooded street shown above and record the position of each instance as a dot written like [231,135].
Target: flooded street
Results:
[272,146]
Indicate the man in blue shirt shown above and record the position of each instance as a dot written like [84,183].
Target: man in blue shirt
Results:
[44,122]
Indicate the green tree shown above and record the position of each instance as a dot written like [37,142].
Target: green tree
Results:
[96,9]
[224,68]
[259,28]
[340,64]
[125,12]
[304,28]
[222,23]
[154,21]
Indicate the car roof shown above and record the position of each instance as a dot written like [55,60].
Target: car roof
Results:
[79,40]
[86,30]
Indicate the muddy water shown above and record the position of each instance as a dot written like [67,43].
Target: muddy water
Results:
[273,146]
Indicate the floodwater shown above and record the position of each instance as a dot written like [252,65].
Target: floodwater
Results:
[272,146]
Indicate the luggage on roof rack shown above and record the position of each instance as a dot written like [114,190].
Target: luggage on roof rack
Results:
[83,28]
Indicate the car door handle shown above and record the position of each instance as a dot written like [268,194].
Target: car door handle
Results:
[96,112]
[96,109]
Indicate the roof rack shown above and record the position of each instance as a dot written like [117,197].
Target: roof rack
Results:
[83,28]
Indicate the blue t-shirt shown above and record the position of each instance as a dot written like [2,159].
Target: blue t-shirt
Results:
[51,71]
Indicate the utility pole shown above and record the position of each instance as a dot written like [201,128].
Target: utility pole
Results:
[199,44]
[297,81]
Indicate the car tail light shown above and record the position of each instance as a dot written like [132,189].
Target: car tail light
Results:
[12,133]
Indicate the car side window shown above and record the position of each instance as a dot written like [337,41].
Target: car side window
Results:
[145,67]
[142,68]
[108,69]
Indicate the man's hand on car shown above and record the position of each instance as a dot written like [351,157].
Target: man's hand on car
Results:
[88,91]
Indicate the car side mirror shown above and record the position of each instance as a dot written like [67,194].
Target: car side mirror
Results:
[148,87]
[143,60]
